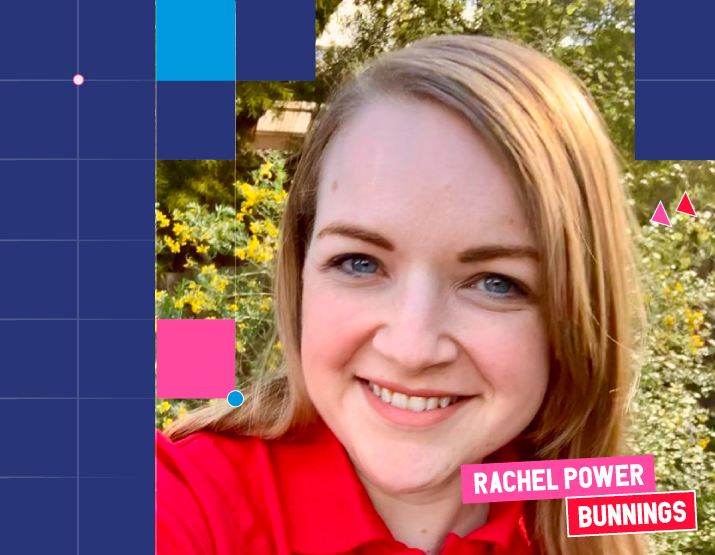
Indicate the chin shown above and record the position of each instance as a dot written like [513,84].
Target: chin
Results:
[405,471]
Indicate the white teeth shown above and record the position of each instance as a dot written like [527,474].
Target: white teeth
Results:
[399,400]
[416,404]
[386,395]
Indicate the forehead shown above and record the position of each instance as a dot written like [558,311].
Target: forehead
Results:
[419,169]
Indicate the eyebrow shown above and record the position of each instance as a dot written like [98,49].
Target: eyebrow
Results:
[474,254]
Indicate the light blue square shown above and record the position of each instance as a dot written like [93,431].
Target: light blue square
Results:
[195,41]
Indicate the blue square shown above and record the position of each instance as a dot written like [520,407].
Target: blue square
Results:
[684,130]
[196,41]
[39,516]
[24,452]
[117,39]
[289,55]
[126,452]
[38,40]
[675,43]
[117,516]
[127,372]
[37,293]
[196,121]
[39,119]
[116,120]
[116,279]
[116,199]
[39,358]
[43,194]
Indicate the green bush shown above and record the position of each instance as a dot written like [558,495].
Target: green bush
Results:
[240,287]
[673,417]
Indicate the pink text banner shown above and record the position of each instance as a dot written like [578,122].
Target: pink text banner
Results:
[486,483]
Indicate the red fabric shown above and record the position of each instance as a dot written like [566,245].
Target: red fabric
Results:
[230,495]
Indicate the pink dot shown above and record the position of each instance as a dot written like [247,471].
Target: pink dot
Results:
[78,79]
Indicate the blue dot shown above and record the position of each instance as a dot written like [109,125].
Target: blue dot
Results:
[235,398]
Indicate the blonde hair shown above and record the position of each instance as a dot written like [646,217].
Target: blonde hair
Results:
[544,125]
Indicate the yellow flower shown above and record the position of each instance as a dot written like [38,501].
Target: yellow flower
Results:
[270,228]
[167,422]
[263,254]
[178,228]
[240,217]
[159,295]
[190,263]
[696,343]
[233,307]
[179,303]
[265,304]
[173,245]
[161,219]
[669,321]
[265,170]
[163,407]
[704,443]
[210,269]
[678,287]
[202,248]
[219,283]
[279,345]
[241,326]
[253,246]
[695,319]
[182,411]
[240,253]
[196,305]
[239,347]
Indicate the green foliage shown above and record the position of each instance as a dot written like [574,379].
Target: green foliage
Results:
[240,290]
[180,182]
[673,409]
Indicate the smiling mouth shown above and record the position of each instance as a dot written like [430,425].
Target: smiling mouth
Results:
[412,402]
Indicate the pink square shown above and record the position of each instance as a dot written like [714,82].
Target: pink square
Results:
[195,359]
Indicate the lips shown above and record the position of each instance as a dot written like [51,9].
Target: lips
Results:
[407,417]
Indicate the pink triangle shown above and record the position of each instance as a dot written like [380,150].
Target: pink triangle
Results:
[685,206]
[660,216]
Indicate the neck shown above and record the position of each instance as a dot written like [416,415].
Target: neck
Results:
[423,519]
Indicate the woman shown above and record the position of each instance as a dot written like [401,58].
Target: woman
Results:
[454,287]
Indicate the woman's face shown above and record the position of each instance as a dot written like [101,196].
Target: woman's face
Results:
[420,285]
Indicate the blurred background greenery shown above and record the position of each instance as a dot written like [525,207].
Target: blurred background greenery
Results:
[217,220]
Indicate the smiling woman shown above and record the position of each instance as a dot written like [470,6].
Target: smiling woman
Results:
[453,288]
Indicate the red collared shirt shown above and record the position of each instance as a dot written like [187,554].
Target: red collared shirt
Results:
[234,495]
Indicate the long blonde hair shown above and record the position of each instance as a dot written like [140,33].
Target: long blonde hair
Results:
[545,127]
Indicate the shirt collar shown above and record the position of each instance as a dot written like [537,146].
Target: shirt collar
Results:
[328,510]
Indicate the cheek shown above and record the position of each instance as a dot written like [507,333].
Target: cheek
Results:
[332,328]
[515,357]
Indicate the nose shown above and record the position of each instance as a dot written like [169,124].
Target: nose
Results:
[414,332]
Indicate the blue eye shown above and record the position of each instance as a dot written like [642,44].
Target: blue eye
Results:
[499,286]
[354,264]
